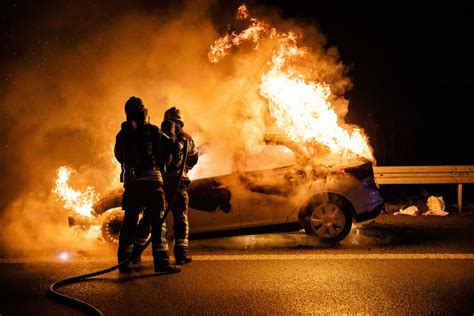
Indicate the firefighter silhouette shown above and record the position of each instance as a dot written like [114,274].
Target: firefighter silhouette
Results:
[141,148]
[173,126]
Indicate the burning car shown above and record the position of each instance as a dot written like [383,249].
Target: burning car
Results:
[283,192]
[282,184]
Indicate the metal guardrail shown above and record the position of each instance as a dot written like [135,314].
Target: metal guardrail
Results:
[426,175]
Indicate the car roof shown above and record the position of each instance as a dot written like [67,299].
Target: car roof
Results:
[281,139]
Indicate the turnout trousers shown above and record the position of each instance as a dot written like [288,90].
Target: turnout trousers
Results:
[179,210]
[138,196]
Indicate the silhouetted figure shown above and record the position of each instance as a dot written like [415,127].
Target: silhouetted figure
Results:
[173,127]
[141,148]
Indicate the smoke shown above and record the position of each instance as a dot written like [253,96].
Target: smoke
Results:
[65,105]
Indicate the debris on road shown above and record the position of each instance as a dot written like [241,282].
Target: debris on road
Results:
[436,206]
[412,211]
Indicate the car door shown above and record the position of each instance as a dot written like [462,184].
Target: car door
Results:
[267,184]
[213,204]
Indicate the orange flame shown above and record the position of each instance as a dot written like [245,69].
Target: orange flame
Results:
[94,232]
[300,106]
[242,12]
[222,45]
[80,202]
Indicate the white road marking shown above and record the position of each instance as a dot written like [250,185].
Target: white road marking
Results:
[372,256]
[351,256]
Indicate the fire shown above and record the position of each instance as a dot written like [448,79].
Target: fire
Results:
[300,106]
[242,12]
[80,202]
[92,232]
[222,45]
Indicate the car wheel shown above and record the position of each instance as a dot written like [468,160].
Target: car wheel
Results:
[328,217]
[111,224]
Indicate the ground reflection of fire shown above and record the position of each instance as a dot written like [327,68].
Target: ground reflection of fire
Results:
[64,256]
[301,107]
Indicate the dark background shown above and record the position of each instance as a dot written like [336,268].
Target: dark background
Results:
[411,65]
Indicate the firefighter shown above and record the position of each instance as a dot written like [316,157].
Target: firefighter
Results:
[173,121]
[141,148]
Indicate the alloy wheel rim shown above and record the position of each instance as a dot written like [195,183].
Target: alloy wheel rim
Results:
[327,220]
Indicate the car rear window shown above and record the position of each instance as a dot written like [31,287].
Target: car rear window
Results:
[263,157]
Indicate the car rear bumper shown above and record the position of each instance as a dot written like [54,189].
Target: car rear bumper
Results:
[370,214]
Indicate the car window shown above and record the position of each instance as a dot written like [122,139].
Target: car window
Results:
[262,157]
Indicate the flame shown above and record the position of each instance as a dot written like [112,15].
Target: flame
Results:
[300,106]
[242,12]
[94,232]
[80,202]
[221,46]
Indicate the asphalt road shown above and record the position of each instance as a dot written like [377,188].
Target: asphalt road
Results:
[397,265]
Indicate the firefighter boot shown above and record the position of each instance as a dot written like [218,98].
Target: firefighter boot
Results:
[181,255]
[137,254]
[122,257]
[161,263]
[161,267]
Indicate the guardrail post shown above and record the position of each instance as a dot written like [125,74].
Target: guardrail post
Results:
[460,197]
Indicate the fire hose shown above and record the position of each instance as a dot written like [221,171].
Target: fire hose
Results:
[84,306]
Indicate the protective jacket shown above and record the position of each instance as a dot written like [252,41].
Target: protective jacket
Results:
[179,208]
[177,159]
[141,150]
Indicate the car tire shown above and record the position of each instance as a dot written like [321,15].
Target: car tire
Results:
[328,217]
[111,224]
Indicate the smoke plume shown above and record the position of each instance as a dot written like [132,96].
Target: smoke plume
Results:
[65,105]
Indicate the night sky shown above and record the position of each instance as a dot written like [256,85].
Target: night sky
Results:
[411,66]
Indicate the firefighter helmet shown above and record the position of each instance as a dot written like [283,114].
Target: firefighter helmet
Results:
[174,114]
[135,110]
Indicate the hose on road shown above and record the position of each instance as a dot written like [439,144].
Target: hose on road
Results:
[84,306]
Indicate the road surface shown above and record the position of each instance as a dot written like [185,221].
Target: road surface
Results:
[397,265]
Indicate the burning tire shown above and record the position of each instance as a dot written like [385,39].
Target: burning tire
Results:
[328,217]
[111,224]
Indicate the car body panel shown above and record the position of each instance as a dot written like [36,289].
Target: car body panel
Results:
[264,196]
[271,196]
[213,204]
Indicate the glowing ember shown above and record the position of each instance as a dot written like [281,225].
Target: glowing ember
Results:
[80,202]
[300,106]
[64,256]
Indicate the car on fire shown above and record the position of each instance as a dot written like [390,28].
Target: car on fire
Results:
[287,193]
